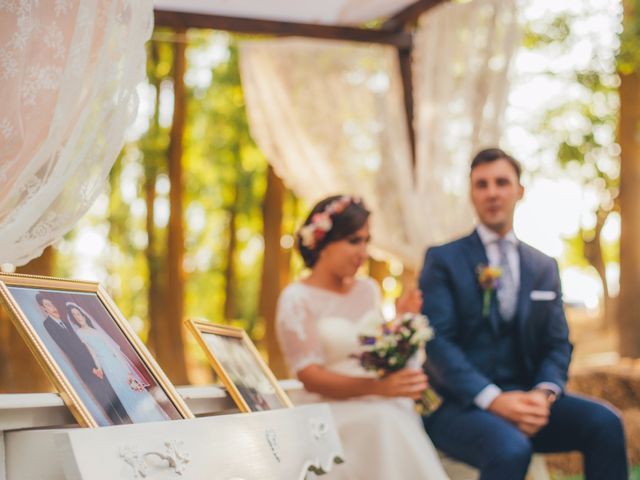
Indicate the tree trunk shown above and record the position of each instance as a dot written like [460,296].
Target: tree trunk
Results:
[229,273]
[629,300]
[155,299]
[593,254]
[156,311]
[170,349]
[19,371]
[274,264]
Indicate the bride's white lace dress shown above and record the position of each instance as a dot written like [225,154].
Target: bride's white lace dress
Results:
[383,438]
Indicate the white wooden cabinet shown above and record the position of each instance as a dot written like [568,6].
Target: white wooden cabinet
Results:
[275,445]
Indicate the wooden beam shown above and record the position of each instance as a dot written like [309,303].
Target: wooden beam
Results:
[408,15]
[164,18]
[406,73]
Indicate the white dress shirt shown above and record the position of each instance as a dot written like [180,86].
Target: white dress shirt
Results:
[59,322]
[489,240]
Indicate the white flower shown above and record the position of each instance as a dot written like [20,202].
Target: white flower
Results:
[307,234]
[371,324]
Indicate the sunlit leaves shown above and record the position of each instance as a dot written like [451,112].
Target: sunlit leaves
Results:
[629,56]
[537,34]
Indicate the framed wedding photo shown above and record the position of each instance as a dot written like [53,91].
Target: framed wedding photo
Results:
[239,365]
[104,373]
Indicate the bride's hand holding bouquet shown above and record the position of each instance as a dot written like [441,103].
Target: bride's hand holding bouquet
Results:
[408,382]
[389,347]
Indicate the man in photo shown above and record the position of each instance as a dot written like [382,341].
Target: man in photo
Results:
[501,349]
[93,377]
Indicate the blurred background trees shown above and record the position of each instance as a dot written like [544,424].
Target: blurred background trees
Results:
[196,224]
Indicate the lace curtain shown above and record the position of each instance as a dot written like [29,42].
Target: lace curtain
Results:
[462,57]
[330,118]
[68,76]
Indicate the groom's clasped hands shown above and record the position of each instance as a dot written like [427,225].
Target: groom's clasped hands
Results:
[528,411]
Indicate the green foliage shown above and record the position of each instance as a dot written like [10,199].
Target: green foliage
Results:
[540,34]
[225,180]
[629,56]
[582,124]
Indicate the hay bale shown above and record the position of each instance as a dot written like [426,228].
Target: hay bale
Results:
[620,386]
[617,384]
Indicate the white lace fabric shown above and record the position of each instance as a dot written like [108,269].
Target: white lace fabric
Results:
[68,76]
[316,326]
[330,118]
[461,84]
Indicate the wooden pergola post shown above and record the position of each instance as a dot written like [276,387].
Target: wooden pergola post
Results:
[275,268]
[404,22]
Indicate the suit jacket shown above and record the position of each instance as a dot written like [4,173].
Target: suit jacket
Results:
[461,358]
[73,347]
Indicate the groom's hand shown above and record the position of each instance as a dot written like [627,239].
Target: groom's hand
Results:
[409,302]
[541,400]
[529,411]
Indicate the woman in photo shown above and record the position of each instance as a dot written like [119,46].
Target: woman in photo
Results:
[126,381]
[318,322]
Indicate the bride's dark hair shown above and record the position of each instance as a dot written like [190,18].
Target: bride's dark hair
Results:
[347,215]
[71,306]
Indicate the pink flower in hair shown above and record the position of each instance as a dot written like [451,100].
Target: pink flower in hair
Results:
[321,222]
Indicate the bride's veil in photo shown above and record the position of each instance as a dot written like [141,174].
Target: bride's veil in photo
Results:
[138,376]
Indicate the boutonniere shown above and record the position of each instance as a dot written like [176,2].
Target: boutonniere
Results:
[488,277]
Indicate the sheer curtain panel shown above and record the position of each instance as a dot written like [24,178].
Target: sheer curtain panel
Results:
[68,76]
[461,64]
[330,118]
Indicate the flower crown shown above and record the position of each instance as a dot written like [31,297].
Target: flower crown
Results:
[321,222]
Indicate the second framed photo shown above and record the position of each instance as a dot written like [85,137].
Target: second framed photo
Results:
[238,364]
[103,372]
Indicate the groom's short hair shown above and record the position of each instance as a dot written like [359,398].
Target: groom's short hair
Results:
[489,155]
[40,298]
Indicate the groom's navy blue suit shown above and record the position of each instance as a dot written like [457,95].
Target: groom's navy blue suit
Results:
[471,351]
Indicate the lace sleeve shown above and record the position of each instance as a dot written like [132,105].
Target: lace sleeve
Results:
[297,333]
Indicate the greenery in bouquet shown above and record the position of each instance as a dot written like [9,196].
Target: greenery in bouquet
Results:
[389,346]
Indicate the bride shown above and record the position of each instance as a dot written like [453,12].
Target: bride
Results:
[318,321]
[125,379]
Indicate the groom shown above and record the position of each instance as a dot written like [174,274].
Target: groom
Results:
[501,350]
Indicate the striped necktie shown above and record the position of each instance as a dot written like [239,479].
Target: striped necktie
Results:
[507,290]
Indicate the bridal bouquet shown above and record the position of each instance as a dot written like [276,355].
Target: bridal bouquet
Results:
[389,346]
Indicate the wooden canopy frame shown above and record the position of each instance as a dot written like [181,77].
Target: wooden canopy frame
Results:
[395,31]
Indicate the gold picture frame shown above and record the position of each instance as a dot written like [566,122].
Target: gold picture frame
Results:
[103,371]
[237,362]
